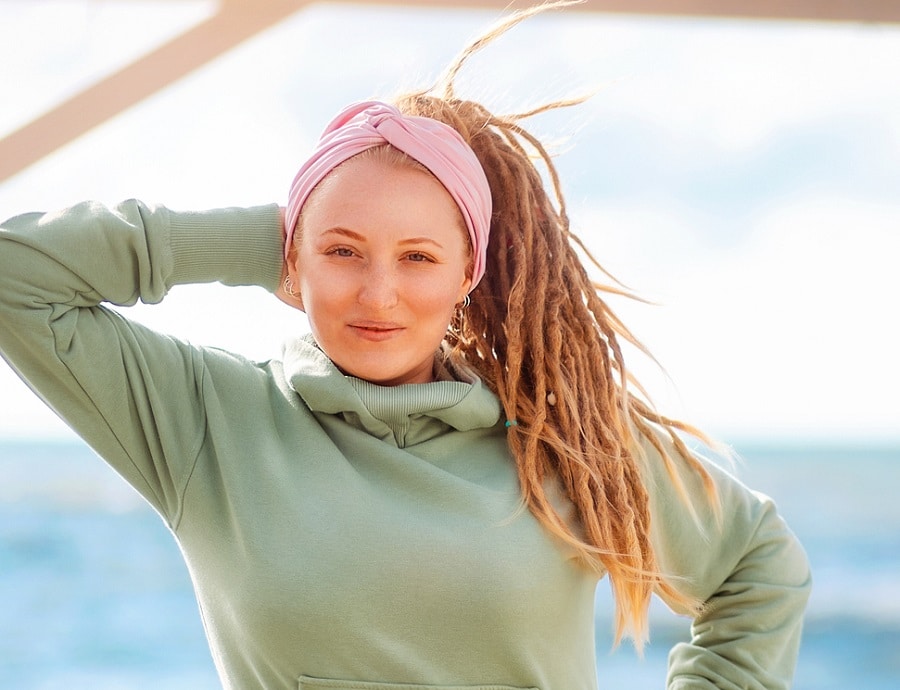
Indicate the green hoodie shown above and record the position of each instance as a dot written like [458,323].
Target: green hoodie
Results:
[341,534]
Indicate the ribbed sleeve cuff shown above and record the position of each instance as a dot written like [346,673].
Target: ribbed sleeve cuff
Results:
[234,246]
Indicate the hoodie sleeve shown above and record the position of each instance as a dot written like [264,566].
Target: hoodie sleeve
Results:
[746,567]
[134,395]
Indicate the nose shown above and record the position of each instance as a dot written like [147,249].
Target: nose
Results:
[379,289]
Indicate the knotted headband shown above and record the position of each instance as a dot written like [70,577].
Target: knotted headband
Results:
[437,146]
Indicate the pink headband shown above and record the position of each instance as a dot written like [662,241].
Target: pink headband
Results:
[435,145]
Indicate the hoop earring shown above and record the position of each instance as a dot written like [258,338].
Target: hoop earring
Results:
[289,287]
[466,301]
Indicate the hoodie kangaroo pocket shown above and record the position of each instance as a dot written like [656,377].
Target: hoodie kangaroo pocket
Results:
[309,683]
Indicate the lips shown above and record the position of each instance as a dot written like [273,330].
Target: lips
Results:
[375,330]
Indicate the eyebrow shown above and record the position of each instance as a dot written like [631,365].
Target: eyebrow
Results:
[346,232]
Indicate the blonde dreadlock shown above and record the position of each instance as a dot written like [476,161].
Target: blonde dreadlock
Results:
[540,334]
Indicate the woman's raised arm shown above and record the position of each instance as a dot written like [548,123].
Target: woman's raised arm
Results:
[134,395]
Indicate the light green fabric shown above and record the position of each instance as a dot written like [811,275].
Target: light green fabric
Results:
[341,534]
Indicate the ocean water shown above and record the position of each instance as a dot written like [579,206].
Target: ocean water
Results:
[93,593]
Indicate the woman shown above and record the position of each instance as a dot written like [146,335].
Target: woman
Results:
[424,491]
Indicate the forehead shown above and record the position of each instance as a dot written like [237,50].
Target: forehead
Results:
[368,191]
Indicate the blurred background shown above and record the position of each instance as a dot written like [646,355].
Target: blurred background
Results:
[740,171]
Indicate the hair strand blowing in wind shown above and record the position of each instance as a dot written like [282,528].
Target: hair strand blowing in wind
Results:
[541,335]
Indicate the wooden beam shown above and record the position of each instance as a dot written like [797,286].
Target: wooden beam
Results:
[238,20]
[816,10]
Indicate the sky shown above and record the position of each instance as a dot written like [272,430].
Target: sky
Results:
[743,176]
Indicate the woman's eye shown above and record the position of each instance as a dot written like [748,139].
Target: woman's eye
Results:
[417,256]
[342,251]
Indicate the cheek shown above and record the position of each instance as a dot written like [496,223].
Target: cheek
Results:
[436,309]
[326,294]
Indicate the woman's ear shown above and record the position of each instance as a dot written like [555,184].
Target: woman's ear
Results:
[291,262]
[289,289]
[464,289]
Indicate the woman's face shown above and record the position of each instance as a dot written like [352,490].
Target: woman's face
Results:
[381,265]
